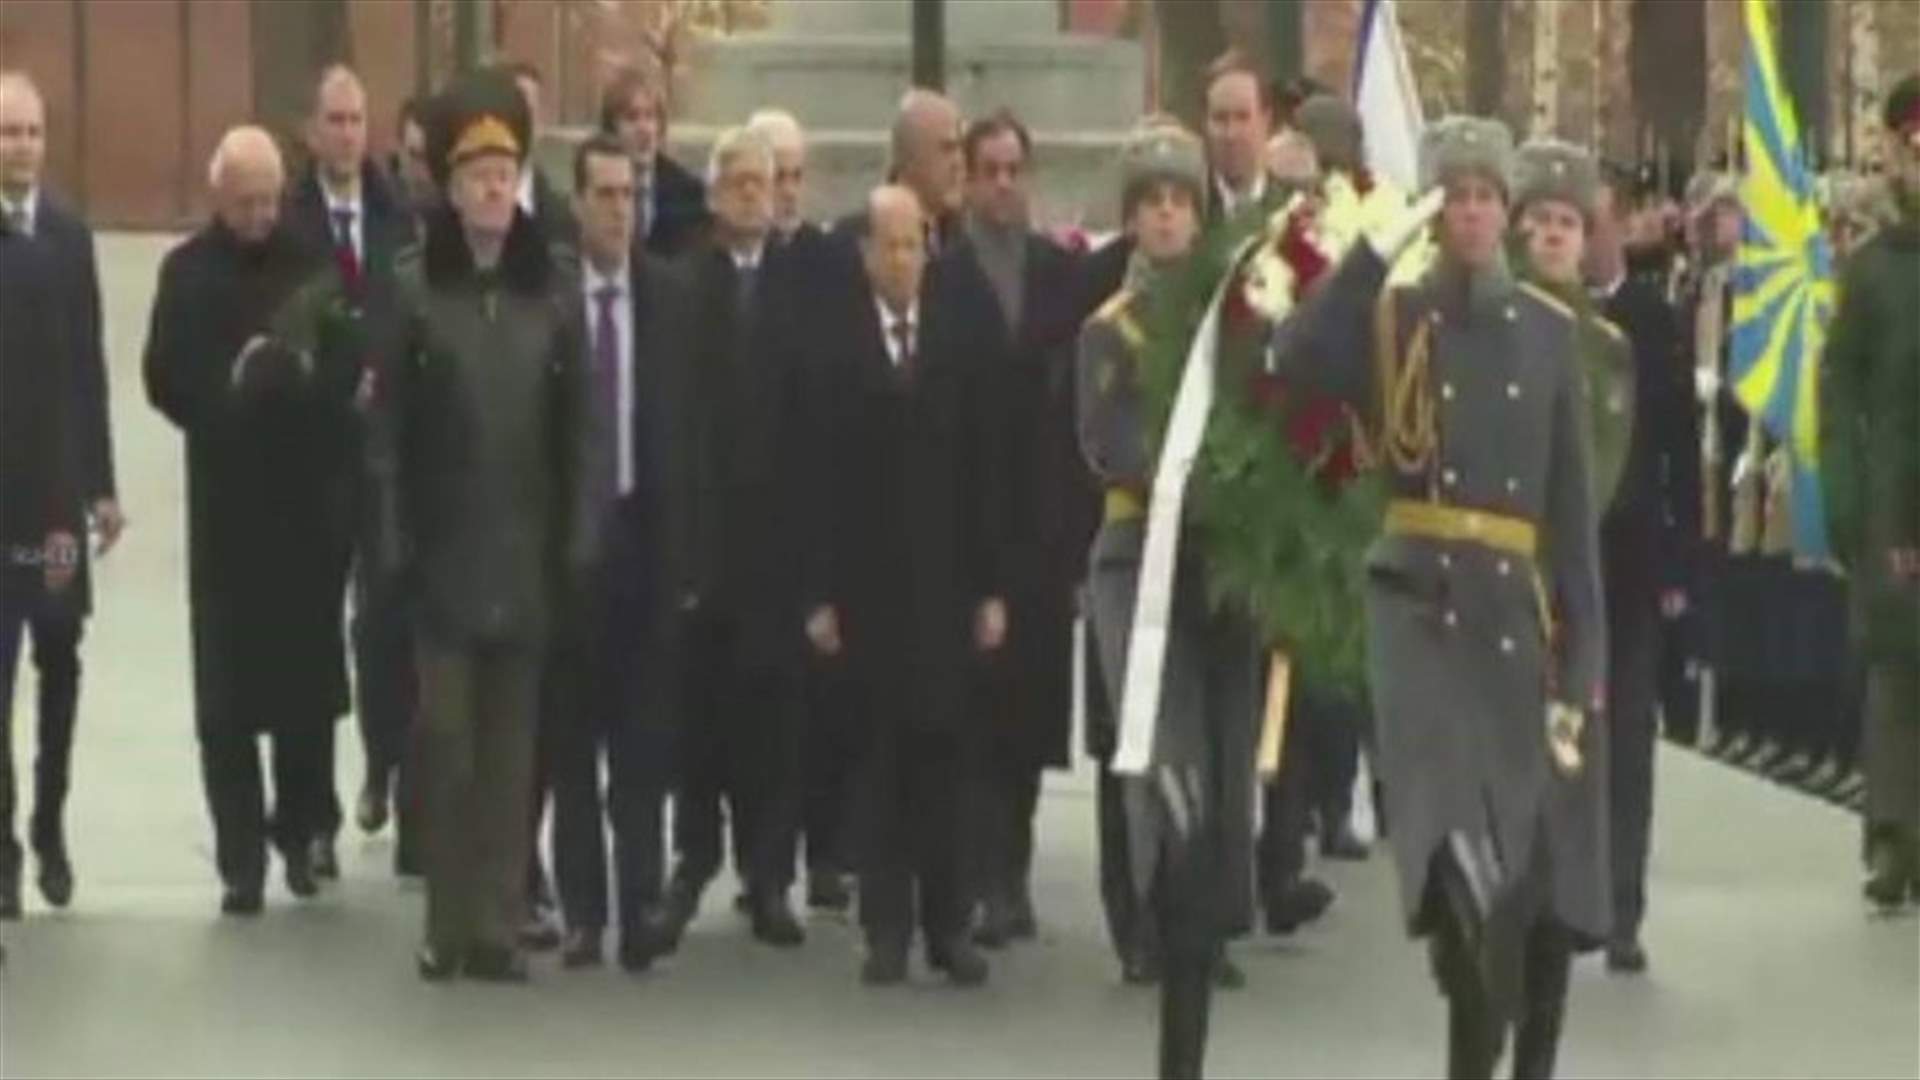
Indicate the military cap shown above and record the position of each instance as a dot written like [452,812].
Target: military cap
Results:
[1160,151]
[1708,187]
[1334,127]
[481,113]
[1457,146]
[1552,170]
[1902,111]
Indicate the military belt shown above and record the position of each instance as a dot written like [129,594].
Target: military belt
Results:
[1123,504]
[1458,524]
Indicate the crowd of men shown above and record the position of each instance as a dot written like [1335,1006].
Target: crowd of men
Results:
[659,494]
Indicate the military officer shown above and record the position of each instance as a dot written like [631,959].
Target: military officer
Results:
[1485,620]
[1870,460]
[1190,851]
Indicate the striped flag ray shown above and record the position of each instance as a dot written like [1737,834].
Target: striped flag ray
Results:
[1783,280]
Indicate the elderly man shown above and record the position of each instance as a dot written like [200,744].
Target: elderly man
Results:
[670,213]
[477,443]
[741,599]
[345,212]
[906,572]
[926,160]
[56,623]
[238,362]
[535,195]
[1486,627]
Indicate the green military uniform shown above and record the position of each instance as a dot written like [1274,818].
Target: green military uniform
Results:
[1870,464]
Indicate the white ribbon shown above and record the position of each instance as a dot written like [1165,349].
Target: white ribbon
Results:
[1153,606]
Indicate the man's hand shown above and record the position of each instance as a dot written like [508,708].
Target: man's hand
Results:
[1904,563]
[990,624]
[1564,726]
[1673,603]
[823,630]
[111,523]
[62,560]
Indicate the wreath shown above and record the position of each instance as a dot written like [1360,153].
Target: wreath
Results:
[1282,500]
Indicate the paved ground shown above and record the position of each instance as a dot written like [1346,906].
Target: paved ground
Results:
[1764,963]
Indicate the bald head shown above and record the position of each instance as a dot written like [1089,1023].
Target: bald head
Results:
[337,130]
[927,154]
[895,247]
[23,135]
[246,176]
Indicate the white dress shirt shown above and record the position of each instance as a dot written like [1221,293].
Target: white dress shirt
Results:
[887,321]
[525,195]
[592,282]
[1230,202]
[354,205]
[28,209]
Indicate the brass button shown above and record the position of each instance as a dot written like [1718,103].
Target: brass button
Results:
[1451,618]
[1506,645]
[1513,391]
[1449,477]
[1513,486]
[1446,561]
[1503,567]
[1446,391]
[1513,314]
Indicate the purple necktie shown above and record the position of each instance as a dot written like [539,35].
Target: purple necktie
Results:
[606,398]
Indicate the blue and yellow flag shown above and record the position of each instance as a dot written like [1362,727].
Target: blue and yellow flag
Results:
[1783,281]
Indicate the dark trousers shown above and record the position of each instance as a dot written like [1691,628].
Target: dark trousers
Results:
[478,708]
[740,745]
[56,660]
[829,759]
[385,684]
[912,865]
[1678,677]
[1004,788]
[1323,735]
[1633,644]
[236,795]
[594,712]
[1500,969]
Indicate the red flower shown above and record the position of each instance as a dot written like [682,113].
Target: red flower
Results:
[1267,392]
[1301,256]
[1235,312]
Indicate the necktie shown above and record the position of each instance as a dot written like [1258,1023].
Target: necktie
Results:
[901,330]
[606,397]
[17,220]
[344,253]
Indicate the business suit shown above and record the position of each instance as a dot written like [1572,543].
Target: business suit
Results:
[907,544]
[39,485]
[611,682]
[58,623]
[743,620]
[363,245]
[676,219]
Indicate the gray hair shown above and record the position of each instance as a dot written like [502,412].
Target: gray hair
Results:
[733,144]
[779,127]
[245,141]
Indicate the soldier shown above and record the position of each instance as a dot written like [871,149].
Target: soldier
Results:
[1484,611]
[1191,862]
[1871,466]
[476,441]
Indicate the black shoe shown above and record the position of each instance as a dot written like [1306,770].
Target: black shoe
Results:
[1889,875]
[435,965]
[492,963]
[246,901]
[682,904]
[1626,958]
[372,811]
[1342,844]
[322,859]
[1227,975]
[56,879]
[1139,968]
[773,920]
[541,931]
[302,881]
[994,929]
[582,949]
[637,954]
[886,964]
[963,964]
[1304,901]
[828,892]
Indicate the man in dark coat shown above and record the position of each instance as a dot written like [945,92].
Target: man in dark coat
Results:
[537,199]
[58,623]
[345,212]
[1027,688]
[670,211]
[1637,556]
[743,623]
[40,519]
[909,580]
[611,681]
[477,447]
[1870,460]
[234,360]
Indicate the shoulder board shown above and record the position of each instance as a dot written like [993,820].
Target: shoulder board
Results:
[1550,301]
[1115,306]
[1610,329]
